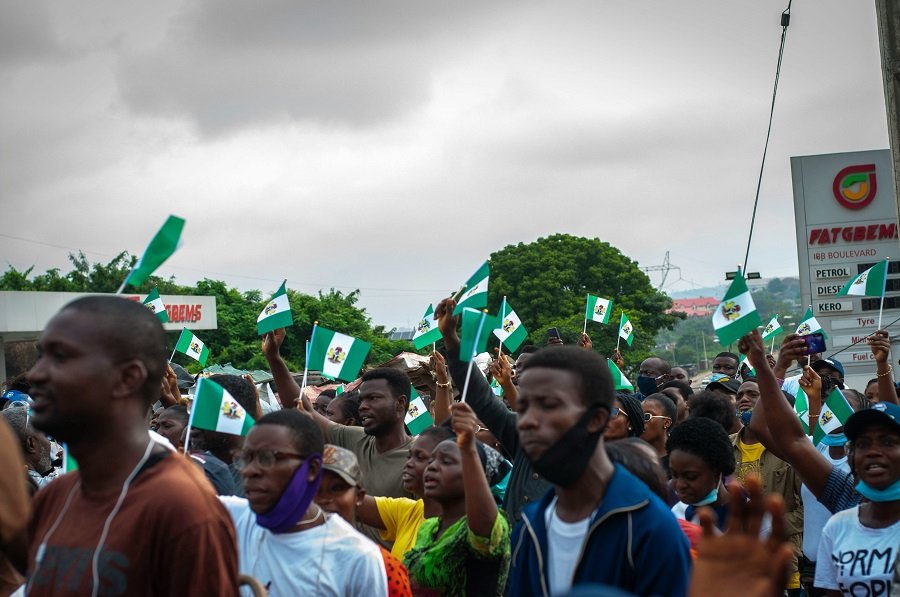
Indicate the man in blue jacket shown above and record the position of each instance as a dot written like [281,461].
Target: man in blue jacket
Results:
[598,523]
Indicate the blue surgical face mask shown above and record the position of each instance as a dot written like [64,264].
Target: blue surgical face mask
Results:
[646,384]
[890,494]
[745,417]
[835,440]
[711,497]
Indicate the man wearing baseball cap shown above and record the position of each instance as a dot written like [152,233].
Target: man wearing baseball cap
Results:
[831,368]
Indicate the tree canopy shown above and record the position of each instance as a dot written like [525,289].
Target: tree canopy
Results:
[547,283]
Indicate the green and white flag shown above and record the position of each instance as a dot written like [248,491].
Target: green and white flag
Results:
[156,306]
[276,314]
[835,412]
[626,329]
[68,463]
[801,407]
[511,331]
[192,346]
[869,283]
[476,330]
[744,360]
[475,294]
[339,390]
[810,325]
[336,355]
[620,382]
[215,409]
[427,330]
[598,309]
[736,315]
[418,419]
[772,328]
[164,243]
[496,388]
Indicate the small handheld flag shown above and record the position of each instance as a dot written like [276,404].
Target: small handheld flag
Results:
[214,409]
[336,355]
[810,325]
[427,330]
[475,294]
[192,346]
[164,243]
[736,316]
[835,412]
[276,314]
[626,330]
[801,407]
[620,382]
[772,329]
[475,332]
[869,283]
[156,306]
[598,309]
[511,331]
[418,419]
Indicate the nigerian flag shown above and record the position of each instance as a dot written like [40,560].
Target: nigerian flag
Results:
[626,330]
[164,243]
[418,419]
[752,372]
[476,329]
[835,412]
[475,292]
[772,328]
[801,407]
[192,346]
[869,283]
[598,309]
[427,330]
[810,325]
[276,314]
[156,306]
[736,316]
[214,409]
[511,331]
[496,388]
[336,355]
[620,382]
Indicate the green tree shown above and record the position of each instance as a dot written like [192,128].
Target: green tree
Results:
[547,283]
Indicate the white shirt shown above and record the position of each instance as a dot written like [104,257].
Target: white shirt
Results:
[564,543]
[332,559]
[855,559]
[815,515]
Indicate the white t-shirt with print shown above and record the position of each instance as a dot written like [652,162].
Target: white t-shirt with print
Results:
[855,559]
[332,559]
[564,543]
[815,515]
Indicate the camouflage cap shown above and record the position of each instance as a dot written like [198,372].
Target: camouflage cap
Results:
[343,462]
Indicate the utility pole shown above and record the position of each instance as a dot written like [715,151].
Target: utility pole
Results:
[888,13]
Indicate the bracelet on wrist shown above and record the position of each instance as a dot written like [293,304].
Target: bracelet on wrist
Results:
[888,372]
[443,385]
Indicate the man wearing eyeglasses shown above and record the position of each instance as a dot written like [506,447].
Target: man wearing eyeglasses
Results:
[285,540]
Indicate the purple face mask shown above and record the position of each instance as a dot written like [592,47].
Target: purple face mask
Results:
[294,501]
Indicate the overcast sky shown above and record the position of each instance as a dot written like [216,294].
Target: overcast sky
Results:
[392,146]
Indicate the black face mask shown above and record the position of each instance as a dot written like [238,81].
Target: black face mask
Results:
[565,461]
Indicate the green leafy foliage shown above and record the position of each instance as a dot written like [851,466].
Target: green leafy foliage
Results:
[547,283]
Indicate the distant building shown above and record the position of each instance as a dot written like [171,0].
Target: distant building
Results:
[695,307]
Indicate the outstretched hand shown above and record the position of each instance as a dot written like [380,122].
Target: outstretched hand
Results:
[739,562]
[752,346]
[501,370]
[880,343]
[793,348]
[464,424]
[439,367]
[271,342]
[447,323]
[585,341]
[169,393]
[617,358]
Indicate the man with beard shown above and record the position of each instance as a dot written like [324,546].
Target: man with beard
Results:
[135,518]
[624,534]
[381,445]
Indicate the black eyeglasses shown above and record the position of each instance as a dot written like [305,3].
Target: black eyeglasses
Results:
[265,458]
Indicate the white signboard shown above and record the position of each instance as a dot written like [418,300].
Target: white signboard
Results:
[846,216]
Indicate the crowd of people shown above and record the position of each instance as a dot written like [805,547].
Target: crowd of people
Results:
[561,485]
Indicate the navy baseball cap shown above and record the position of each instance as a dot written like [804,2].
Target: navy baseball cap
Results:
[833,363]
[729,385]
[880,412]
